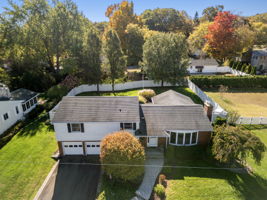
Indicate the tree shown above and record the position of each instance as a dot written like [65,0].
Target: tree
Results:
[231,144]
[114,59]
[120,15]
[221,40]
[91,59]
[197,39]
[196,19]
[118,150]
[261,33]
[134,44]
[210,13]
[4,77]
[246,39]
[165,57]
[167,20]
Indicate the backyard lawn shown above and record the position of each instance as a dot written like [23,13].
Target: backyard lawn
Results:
[25,161]
[249,103]
[213,184]
[183,90]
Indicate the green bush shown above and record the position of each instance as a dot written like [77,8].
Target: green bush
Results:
[244,67]
[253,70]
[123,150]
[239,66]
[57,92]
[230,81]
[160,191]
[147,94]
[220,121]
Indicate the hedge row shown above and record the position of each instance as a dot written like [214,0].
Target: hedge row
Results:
[243,67]
[230,81]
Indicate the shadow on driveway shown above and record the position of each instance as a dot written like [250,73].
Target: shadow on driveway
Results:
[73,180]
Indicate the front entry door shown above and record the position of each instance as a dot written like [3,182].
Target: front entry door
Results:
[152,142]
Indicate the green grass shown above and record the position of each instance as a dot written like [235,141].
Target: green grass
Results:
[248,103]
[210,184]
[183,90]
[25,161]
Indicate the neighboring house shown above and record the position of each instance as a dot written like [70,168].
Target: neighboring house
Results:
[14,106]
[259,59]
[81,123]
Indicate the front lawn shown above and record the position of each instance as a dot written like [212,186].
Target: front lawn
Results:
[248,103]
[191,183]
[26,160]
[183,90]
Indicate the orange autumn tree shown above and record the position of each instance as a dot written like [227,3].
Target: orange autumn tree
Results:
[120,15]
[221,38]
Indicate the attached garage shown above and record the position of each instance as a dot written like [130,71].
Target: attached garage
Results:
[72,148]
[92,148]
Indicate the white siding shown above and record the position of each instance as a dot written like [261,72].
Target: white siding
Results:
[93,131]
[10,108]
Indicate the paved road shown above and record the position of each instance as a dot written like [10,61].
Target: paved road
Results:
[73,181]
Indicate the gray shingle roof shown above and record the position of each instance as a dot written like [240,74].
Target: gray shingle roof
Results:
[203,62]
[22,94]
[172,97]
[98,109]
[259,52]
[159,118]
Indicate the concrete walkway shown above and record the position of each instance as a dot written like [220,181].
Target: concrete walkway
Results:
[154,162]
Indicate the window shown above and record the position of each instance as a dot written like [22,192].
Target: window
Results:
[28,105]
[35,100]
[5,116]
[173,137]
[180,139]
[75,127]
[129,126]
[24,107]
[32,103]
[17,109]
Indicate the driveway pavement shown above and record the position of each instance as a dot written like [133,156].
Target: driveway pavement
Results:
[73,179]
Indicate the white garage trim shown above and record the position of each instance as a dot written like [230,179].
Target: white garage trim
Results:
[72,148]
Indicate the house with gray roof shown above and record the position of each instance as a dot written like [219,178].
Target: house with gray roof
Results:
[259,59]
[81,123]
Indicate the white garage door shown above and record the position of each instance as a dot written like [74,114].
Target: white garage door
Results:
[92,148]
[72,148]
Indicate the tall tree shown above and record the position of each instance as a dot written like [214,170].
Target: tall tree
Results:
[120,15]
[114,59]
[221,39]
[134,44]
[167,20]
[165,57]
[196,19]
[210,13]
[91,60]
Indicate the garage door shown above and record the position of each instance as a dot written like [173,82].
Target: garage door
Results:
[72,148]
[92,148]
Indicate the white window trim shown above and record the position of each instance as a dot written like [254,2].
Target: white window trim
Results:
[184,133]
[71,131]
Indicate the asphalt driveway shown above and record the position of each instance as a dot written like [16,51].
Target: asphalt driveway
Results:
[73,180]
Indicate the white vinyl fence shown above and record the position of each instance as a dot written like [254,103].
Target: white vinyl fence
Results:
[252,120]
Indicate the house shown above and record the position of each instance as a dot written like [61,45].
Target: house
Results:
[80,123]
[259,59]
[15,105]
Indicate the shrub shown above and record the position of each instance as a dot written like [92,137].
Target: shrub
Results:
[142,99]
[220,121]
[244,66]
[253,70]
[57,92]
[231,144]
[162,180]
[122,149]
[248,69]
[147,94]
[239,66]
[160,191]
[230,81]
[232,117]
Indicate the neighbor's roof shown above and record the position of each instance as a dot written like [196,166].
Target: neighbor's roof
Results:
[203,62]
[160,118]
[22,94]
[259,52]
[98,109]
[172,97]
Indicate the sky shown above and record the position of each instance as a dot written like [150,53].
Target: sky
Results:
[95,9]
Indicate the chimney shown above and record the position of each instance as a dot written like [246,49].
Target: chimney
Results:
[208,108]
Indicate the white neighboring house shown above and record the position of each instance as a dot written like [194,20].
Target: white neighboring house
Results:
[14,105]
[206,66]
[259,59]
[81,123]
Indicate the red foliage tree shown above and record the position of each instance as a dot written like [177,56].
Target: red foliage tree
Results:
[221,38]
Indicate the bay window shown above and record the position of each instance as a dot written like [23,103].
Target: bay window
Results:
[183,138]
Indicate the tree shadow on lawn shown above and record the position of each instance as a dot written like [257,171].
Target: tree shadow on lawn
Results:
[249,186]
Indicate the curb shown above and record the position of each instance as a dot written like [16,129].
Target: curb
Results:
[55,166]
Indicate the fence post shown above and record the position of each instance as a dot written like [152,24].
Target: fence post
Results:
[260,120]
[250,120]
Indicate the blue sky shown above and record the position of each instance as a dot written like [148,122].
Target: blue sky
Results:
[95,9]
